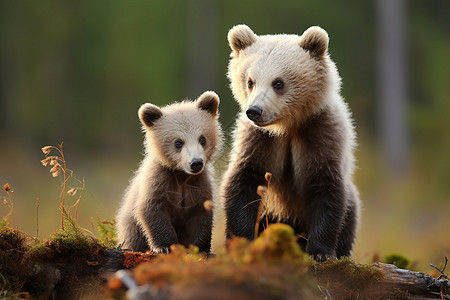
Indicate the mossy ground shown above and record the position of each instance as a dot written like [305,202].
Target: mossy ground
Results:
[45,269]
[271,267]
[345,277]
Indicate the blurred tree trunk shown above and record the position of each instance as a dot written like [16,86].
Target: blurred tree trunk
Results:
[392,85]
[201,46]
[8,70]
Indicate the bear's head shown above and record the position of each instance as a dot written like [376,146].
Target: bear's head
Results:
[183,136]
[280,80]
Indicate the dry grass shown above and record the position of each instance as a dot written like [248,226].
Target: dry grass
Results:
[9,202]
[59,168]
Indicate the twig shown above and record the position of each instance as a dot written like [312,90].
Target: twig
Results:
[258,215]
[262,192]
[443,275]
[64,182]
[37,217]
[10,192]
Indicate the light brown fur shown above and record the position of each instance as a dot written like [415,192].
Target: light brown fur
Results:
[300,131]
[164,203]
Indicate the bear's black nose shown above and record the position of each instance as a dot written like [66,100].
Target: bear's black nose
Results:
[196,165]
[253,113]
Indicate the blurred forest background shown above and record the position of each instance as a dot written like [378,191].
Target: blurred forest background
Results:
[77,71]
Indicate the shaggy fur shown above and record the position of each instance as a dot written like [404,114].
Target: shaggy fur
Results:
[164,203]
[294,124]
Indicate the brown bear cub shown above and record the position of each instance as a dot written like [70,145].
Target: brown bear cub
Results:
[164,203]
[295,125]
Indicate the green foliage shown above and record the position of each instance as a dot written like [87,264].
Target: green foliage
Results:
[107,232]
[4,224]
[398,260]
[277,244]
[72,240]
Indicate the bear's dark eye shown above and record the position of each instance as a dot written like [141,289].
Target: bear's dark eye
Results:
[179,144]
[250,84]
[202,140]
[278,84]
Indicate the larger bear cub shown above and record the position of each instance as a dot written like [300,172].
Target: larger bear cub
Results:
[164,203]
[295,125]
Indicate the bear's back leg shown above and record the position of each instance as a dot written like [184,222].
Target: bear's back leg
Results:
[348,232]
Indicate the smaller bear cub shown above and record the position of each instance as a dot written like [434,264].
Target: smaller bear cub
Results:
[164,203]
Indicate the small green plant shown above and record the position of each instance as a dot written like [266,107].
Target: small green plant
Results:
[3,224]
[72,238]
[107,232]
[6,288]
[398,260]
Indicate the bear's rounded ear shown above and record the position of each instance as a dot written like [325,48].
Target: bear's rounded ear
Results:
[149,113]
[209,101]
[315,40]
[240,37]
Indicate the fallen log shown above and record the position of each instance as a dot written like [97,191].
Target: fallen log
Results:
[400,283]
[394,283]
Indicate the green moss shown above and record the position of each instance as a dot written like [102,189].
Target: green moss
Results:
[398,260]
[72,240]
[65,242]
[344,273]
[277,244]
[39,249]
[4,224]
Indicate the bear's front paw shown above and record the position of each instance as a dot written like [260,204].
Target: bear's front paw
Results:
[158,250]
[320,254]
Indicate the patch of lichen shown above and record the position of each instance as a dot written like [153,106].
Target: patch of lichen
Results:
[347,277]
[133,258]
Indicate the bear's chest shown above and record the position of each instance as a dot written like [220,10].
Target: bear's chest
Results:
[286,163]
[284,194]
[184,195]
